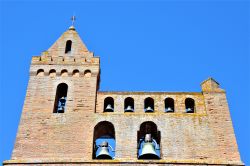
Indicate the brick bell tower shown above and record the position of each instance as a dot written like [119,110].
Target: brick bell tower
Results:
[61,95]
[66,120]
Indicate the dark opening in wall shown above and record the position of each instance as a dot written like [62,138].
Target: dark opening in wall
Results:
[190,105]
[64,73]
[68,47]
[52,73]
[40,72]
[76,73]
[148,140]
[169,105]
[149,105]
[108,104]
[104,141]
[61,98]
[87,73]
[129,104]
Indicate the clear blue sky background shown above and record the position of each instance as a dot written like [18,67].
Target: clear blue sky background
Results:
[144,46]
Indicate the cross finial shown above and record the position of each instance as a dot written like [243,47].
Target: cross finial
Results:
[73,19]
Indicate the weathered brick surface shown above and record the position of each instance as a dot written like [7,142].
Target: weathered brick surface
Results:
[205,137]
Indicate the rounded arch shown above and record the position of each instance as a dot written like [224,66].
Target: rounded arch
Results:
[64,73]
[76,73]
[40,72]
[108,104]
[149,104]
[169,104]
[190,105]
[60,98]
[129,104]
[148,127]
[52,73]
[104,128]
[87,73]
[104,133]
[148,134]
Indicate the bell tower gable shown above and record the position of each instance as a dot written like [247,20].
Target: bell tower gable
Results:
[69,44]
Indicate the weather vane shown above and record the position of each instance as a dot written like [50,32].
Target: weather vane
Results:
[73,19]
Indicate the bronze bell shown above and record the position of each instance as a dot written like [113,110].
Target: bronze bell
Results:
[60,110]
[129,109]
[169,109]
[148,148]
[109,108]
[104,151]
[62,100]
[149,109]
[61,105]
[189,110]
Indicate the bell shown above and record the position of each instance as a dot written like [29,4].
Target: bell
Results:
[129,109]
[169,109]
[60,109]
[109,108]
[104,151]
[149,109]
[148,149]
[189,110]
[62,101]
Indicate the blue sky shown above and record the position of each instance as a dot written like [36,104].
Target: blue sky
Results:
[143,45]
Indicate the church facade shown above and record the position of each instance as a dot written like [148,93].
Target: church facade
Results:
[66,120]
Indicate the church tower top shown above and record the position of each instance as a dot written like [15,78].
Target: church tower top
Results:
[69,44]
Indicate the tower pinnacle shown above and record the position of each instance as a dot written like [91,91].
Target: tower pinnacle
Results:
[73,19]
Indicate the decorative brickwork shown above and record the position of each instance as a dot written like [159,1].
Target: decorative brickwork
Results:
[205,136]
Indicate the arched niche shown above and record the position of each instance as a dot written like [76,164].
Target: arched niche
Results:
[60,98]
[148,128]
[190,105]
[68,47]
[104,132]
[108,104]
[149,105]
[169,104]
[129,104]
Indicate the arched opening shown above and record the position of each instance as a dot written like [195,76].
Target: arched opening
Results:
[52,73]
[169,105]
[76,73]
[148,141]
[104,141]
[64,73]
[149,105]
[68,46]
[61,98]
[108,104]
[40,72]
[87,73]
[129,104]
[190,105]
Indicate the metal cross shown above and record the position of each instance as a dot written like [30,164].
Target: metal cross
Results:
[73,19]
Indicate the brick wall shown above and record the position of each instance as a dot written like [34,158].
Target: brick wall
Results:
[205,137]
